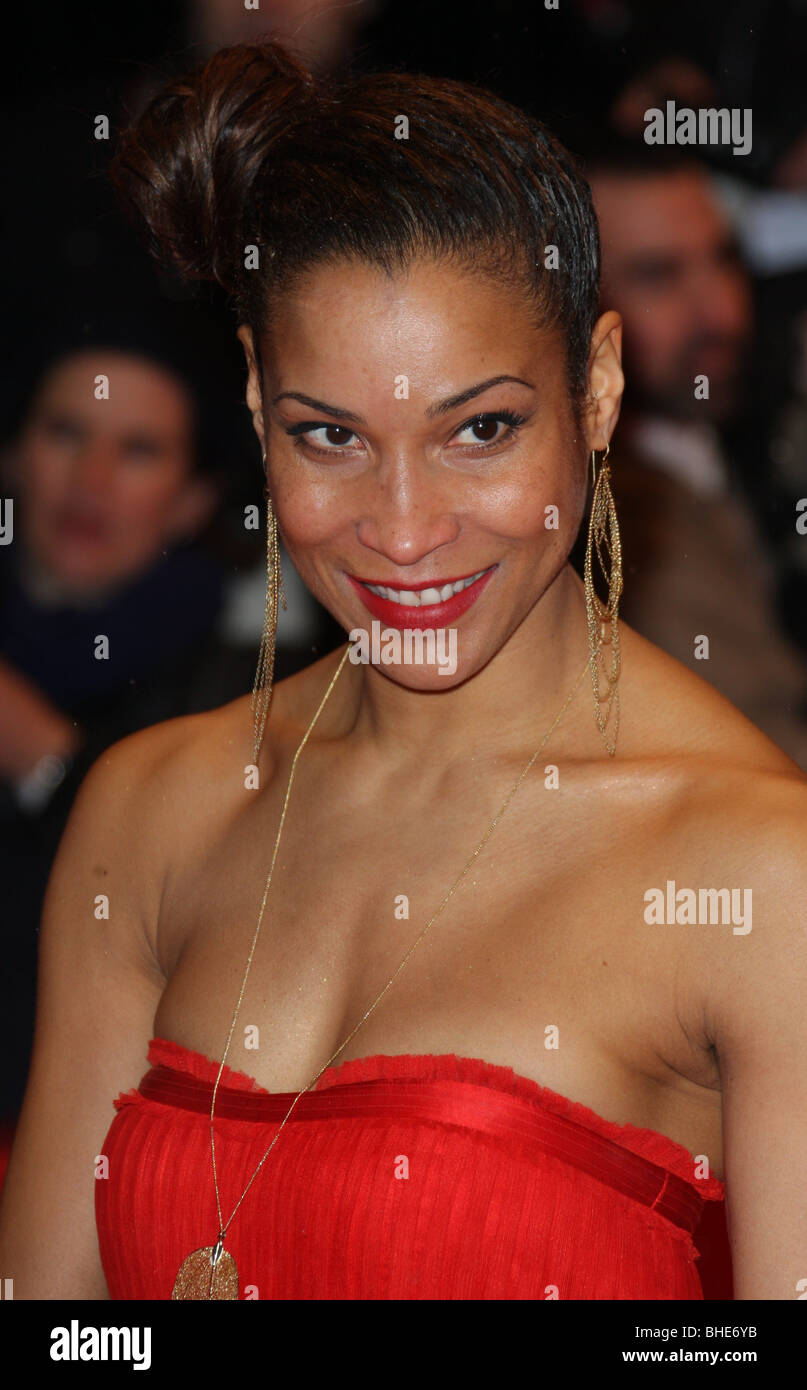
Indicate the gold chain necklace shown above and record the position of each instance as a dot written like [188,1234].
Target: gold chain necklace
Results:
[211,1272]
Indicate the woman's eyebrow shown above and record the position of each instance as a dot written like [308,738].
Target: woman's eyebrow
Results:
[442,407]
[322,406]
[439,408]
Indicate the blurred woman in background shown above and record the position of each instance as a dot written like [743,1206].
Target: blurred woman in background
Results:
[109,596]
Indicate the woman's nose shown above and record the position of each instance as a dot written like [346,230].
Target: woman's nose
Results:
[93,467]
[406,514]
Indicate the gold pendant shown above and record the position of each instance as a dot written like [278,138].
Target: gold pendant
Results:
[207,1273]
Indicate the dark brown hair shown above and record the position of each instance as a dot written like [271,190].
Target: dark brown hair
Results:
[252,150]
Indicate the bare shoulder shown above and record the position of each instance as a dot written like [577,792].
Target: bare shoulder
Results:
[182,775]
[731,857]
[733,817]
[671,713]
[144,796]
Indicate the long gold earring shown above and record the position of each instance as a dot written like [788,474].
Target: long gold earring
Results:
[604,541]
[264,676]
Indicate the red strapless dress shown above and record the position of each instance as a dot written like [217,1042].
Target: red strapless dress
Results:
[395,1178]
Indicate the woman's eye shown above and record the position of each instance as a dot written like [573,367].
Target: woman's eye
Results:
[485,429]
[141,449]
[63,430]
[332,438]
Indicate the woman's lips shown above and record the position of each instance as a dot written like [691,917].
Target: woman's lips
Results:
[432,615]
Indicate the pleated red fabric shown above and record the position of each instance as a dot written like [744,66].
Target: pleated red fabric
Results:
[406,1177]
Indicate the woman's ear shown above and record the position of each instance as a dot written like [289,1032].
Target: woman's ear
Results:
[253,397]
[606,379]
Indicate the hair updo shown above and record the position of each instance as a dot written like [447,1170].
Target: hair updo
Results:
[253,150]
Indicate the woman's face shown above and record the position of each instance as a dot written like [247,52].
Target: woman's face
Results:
[106,483]
[419,432]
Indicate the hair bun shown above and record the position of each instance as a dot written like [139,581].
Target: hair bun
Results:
[187,165]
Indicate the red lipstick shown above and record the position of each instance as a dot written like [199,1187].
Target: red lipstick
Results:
[432,615]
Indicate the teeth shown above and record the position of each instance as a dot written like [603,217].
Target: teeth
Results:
[424,597]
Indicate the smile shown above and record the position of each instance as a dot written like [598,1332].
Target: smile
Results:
[422,605]
[420,597]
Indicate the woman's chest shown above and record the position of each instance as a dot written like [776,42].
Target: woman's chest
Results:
[530,955]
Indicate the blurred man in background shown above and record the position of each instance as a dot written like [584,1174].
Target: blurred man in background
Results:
[697,578]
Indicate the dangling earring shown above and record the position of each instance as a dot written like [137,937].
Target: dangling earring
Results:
[604,540]
[264,676]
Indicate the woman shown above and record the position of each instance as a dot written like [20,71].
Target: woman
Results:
[109,499]
[546,1086]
